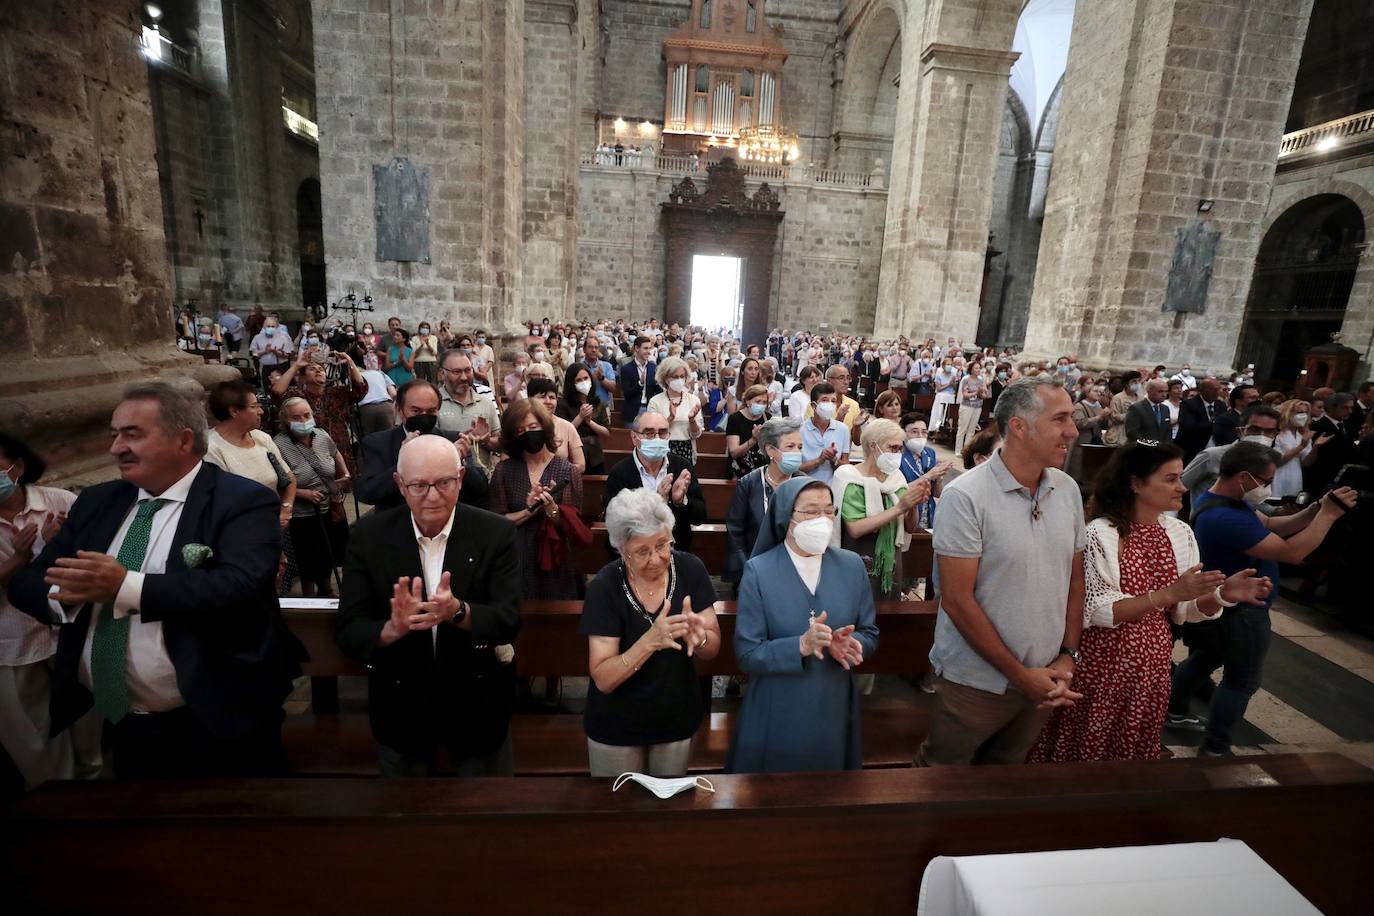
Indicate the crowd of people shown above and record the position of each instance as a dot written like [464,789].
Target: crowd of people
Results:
[1057,615]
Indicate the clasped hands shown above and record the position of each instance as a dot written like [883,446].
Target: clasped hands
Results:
[409,612]
[541,499]
[90,576]
[841,644]
[688,626]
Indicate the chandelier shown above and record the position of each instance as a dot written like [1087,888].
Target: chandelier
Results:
[768,143]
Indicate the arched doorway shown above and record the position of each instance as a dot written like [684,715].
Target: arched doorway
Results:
[869,107]
[1303,276]
[310,235]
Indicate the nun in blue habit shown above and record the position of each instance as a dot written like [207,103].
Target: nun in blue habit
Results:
[804,619]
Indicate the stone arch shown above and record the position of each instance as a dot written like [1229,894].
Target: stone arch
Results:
[1006,226]
[868,103]
[1305,278]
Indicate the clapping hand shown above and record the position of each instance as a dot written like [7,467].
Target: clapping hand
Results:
[1322,440]
[828,454]
[1192,585]
[845,649]
[88,576]
[24,541]
[843,411]
[679,492]
[584,412]
[696,626]
[53,525]
[916,492]
[1245,587]
[817,637]
[667,630]
[939,471]
[480,429]
[405,604]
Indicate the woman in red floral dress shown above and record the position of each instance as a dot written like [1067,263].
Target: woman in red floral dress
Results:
[1141,567]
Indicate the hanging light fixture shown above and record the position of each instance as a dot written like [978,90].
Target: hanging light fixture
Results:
[768,143]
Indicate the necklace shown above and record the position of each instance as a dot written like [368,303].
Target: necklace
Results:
[634,602]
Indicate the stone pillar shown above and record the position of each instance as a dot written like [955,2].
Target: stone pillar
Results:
[552,94]
[948,127]
[85,301]
[1166,102]
[1357,330]
[254,247]
[440,85]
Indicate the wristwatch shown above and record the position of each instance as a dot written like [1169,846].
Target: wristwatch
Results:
[460,614]
[1073,654]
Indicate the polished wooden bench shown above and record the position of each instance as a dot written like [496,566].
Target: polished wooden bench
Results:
[717,494]
[847,842]
[324,743]
[708,467]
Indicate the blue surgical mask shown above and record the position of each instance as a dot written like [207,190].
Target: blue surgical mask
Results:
[312,341]
[653,449]
[481,341]
[269,331]
[756,410]
[7,484]
[303,429]
[790,462]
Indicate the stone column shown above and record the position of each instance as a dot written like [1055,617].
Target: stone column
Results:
[85,302]
[552,94]
[944,154]
[1166,102]
[440,85]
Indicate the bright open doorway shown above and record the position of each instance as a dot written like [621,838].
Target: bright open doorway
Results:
[716,292]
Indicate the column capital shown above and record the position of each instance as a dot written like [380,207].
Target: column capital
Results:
[970,60]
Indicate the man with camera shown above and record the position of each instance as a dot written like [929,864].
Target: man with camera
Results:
[1233,536]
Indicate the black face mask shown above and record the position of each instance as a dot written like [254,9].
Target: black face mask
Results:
[532,441]
[421,423]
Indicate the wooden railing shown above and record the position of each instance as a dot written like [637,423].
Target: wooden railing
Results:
[1356,129]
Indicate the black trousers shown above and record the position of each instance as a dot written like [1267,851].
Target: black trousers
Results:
[174,745]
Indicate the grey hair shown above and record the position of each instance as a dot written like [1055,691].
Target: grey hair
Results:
[771,432]
[669,366]
[1253,458]
[282,423]
[176,410]
[1022,399]
[636,513]
[1335,401]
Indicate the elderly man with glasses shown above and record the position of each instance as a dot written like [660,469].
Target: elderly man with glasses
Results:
[431,594]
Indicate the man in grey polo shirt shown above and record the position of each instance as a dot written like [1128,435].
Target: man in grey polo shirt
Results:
[1010,549]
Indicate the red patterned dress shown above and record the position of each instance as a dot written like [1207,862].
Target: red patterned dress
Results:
[1124,675]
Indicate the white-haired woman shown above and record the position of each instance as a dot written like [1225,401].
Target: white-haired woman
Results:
[682,408]
[879,509]
[647,617]
[319,526]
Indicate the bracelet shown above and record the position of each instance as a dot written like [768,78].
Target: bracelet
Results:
[1150,597]
[288,505]
[1222,601]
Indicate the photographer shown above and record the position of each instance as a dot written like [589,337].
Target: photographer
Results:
[1233,536]
[308,377]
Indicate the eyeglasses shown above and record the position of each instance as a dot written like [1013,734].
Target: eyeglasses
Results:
[808,514]
[420,488]
[652,433]
[644,554]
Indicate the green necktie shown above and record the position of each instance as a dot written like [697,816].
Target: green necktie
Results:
[110,645]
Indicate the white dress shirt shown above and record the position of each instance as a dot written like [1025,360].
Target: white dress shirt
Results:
[432,560]
[23,640]
[650,481]
[151,676]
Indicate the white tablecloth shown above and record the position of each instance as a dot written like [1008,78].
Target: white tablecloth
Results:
[1216,879]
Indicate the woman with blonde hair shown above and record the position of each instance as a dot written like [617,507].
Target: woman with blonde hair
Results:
[1294,443]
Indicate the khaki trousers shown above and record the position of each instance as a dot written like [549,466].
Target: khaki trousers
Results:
[968,725]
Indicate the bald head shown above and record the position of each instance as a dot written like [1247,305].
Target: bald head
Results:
[427,457]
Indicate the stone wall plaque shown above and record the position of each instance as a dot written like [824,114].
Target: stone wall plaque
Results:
[1190,274]
[401,192]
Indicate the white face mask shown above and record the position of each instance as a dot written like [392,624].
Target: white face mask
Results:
[915,445]
[664,788]
[1300,419]
[1256,496]
[583,386]
[889,462]
[1266,441]
[677,384]
[813,535]
[825,410]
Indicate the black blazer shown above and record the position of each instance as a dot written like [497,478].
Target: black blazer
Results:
[1331,457]
[422,694]
[625,476]
[631,390]
[742,523]
[377,456]
[233,654]
[1194,426]
[1224,427]
[1142,424]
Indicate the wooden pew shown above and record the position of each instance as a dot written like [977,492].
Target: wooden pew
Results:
[708,467]
[708,543]
[717,493]
[771,843]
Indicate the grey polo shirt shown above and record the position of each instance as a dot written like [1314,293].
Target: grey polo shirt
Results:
[456,417]
[1025,569]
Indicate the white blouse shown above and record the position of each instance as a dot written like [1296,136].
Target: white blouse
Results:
[1102,571]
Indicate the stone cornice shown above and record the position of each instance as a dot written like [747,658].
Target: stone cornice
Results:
[969,60]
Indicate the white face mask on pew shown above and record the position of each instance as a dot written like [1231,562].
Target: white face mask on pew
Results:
[664,788]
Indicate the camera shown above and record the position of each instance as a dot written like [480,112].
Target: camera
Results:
[1359,478]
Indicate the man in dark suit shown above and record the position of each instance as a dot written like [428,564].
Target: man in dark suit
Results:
[652,465]
[430,602]
[637,382]
[165,585]
[1148,418]
[417,414]
[1196,416]
[1359,411]
[1334,440]
[1224,430]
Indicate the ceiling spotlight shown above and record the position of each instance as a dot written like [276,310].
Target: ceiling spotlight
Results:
[1205,205]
